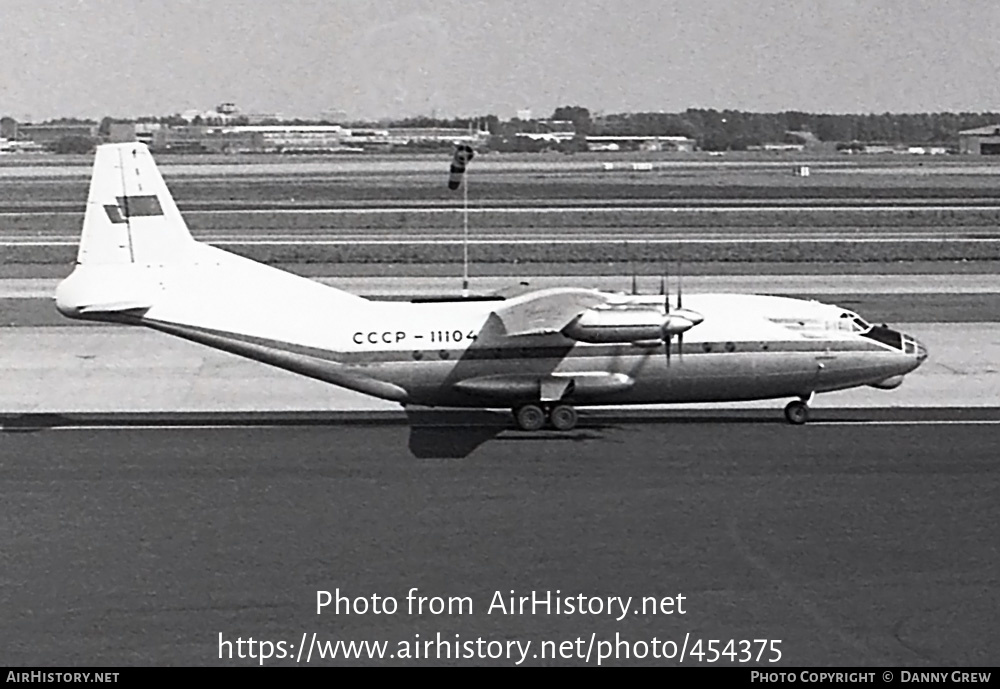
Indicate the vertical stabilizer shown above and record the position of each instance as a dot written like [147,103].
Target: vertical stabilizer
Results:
[131,216]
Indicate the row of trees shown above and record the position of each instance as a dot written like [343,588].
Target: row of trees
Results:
[717,130]
[736,129]
[714,130]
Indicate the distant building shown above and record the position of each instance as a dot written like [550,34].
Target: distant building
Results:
[293,138]
[434,135]
[144,131]
[779,148]
[207,116]
[22,147]
[555,131]
[47,133]
[202,139]
[869,148]
[602,146]
[980,141]
[365,138]
[646,143]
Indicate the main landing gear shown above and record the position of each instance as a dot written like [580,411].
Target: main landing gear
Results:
[797,412]
[532,417]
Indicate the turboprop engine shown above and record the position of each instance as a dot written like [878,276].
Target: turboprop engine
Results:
[616,325]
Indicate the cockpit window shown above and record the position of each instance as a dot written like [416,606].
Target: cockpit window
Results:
[886,336]
[852,322]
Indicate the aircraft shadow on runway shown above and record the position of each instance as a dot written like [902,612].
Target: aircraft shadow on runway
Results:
[454,434]
[27,423]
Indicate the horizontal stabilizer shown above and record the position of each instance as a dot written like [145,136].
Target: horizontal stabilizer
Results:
[93,290]
[114,307]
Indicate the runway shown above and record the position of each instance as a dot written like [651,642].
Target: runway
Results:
[853,544]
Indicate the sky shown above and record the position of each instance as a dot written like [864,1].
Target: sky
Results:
[392,58]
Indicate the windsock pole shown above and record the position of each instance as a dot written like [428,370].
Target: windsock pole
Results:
[463,155]
[465,239]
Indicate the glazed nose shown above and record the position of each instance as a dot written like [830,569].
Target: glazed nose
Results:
[921,351]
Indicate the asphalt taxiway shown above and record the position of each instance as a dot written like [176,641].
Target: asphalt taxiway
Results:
[866,538]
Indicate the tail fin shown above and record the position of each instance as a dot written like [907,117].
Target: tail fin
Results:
[131,216]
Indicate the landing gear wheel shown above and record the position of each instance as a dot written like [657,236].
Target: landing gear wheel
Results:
[797,412]
[563,417]
[529,417]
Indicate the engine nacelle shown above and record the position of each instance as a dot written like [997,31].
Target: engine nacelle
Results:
[607,326]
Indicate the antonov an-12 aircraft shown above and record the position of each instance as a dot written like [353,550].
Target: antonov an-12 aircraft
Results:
[542,353]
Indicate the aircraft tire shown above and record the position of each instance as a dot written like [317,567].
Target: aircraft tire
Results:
[563,417]
[797,412]
[529,417]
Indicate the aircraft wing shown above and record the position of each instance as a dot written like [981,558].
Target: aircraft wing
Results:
[546,311]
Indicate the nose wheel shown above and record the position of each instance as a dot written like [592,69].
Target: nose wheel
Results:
[797,412]
[532,417]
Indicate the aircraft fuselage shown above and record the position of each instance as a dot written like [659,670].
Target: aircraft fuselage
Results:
[541,353]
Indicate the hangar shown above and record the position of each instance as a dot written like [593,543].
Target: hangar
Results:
[980,141]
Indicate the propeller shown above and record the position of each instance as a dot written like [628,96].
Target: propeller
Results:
[664,279]
[680,307]
[631,265]
[677,321]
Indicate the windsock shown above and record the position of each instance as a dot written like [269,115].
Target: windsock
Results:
[463,154]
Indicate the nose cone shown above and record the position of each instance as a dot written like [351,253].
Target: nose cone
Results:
[916,353]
